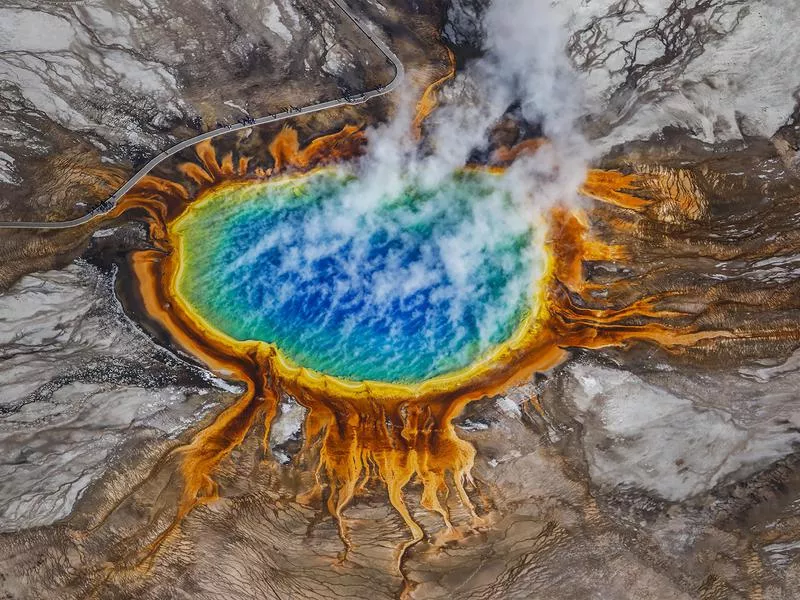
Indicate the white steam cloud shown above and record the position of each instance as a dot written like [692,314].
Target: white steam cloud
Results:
[524,65]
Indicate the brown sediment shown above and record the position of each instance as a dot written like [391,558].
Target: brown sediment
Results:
[670,195]
[430,100]
[677,193]
[667,194]
[505,155]
[286,152]
[391,432]
[615,188]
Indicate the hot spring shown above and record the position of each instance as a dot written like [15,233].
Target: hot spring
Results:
[412,285]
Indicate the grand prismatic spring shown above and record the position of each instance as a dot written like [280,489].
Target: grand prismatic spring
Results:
[467,338]
[363,320]
[413,288]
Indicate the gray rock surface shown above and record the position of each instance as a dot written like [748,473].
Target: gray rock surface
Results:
[124,79]
[79,381]
[718,69]
[679,443]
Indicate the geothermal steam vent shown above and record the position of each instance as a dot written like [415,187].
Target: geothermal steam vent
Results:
[420,283]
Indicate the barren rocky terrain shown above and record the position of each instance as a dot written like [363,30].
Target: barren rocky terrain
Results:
[630,472]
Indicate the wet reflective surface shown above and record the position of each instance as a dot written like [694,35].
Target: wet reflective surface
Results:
[419,285]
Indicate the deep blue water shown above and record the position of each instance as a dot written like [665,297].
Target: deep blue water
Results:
[421,284]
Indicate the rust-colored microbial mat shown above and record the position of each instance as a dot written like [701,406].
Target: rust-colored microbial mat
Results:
[363,431]
[394,331]
[509,311]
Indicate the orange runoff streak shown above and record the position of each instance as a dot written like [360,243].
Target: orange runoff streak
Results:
[373,429]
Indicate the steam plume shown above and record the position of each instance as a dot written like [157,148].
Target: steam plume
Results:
[524,67]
